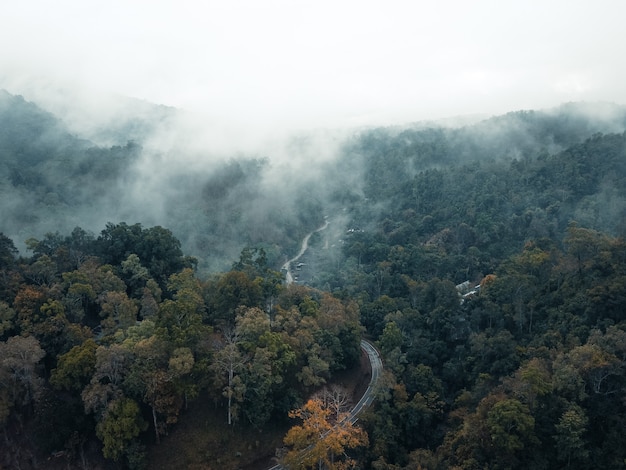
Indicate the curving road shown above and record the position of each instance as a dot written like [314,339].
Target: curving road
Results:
[376,364]
[303,248]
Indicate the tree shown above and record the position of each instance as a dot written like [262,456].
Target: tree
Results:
[80,244]
[112,364]
[321,441]
[8,252]
[314,373]
[88,285]
[251,324]
[228,363]
[9,276]
[152,378]
[258,381]
[19,380]
[511,427]
[391,338]
[531,382]
[570,430]
[494,352]
[118,312]
[601,370]
[234,289]
[265,376]
[181,317]
[7,318]
[121,424]
[156,247]
[42,271]
[150,298]
[135,274]
[253,262]
[584,245]
[76,367]
[339,332]
[335,398]
[27,303]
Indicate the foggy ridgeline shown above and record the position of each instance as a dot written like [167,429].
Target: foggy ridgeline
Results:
[217,200]
[140,275]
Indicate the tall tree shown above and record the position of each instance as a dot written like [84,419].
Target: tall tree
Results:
[321,441]
[228,363]
[570,440]
[19,380]
[121,424]
[76,367]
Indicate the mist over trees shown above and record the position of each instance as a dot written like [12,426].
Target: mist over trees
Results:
[486,262]
[217,202]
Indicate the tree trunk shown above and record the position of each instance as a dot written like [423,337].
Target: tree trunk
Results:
[83,459]
[156,429]
[231,375]
[230,398]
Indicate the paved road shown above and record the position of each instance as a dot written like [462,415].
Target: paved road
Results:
[377,368]
[305,244]
[368,397]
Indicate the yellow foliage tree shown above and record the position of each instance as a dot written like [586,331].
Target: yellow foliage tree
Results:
[321,441]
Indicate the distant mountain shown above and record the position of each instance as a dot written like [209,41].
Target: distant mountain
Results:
[52,178]
[30,134]
[388,157]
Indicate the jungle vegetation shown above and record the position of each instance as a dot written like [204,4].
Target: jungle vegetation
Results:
[487,262]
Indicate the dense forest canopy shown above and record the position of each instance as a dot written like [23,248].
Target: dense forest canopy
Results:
[487,262]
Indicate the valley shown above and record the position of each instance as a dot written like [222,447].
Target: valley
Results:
[163,303]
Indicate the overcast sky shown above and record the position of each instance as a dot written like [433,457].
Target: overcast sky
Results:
[323,63]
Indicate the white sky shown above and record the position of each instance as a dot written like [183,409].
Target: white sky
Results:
[324,63]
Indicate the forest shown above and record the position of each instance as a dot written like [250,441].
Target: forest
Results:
[486,262]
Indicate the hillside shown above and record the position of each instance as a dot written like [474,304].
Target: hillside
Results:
[486,262]
[52,180]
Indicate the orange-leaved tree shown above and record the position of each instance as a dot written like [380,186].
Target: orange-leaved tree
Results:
[321,441]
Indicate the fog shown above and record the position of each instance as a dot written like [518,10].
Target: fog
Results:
[248,114]
[217,188]
[220,189]
[263,66]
